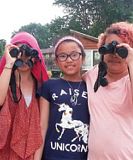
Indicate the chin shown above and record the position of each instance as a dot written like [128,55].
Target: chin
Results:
[115,65]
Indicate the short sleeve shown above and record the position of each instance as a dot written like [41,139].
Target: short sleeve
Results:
[44,91]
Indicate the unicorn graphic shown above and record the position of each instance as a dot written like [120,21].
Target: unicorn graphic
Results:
[67,122]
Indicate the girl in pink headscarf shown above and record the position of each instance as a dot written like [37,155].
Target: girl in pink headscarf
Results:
[22,71]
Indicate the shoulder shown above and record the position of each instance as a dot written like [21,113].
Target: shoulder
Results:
[83,83]
[90,73]
[47,87]
[51,82]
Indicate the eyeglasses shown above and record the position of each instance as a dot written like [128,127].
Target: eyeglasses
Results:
[73,55]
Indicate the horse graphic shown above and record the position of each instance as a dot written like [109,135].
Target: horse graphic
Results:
[67,122]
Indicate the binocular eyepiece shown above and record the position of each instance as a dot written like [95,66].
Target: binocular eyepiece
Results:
[20,62]
[112,49]
[24,49]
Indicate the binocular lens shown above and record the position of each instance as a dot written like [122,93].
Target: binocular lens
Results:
[14,52]
[34,53]
[30,63]
[102,50]
[122,52]
[20,63]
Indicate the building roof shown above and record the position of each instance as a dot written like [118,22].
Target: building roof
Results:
[74,33]
[84,35]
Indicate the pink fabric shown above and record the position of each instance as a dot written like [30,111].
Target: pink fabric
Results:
[2,64]
[111,127]
[39,69]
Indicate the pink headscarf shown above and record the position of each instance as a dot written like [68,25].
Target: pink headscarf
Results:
[39,68]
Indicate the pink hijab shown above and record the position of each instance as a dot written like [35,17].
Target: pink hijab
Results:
[39,69]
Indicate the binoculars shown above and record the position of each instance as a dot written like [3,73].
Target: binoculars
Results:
[20,62]
[28,51]
[24,49]
[112,49]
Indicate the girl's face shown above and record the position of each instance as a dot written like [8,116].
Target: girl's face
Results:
[114,62]
[69,58]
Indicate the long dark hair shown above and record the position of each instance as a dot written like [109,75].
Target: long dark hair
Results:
[13,86]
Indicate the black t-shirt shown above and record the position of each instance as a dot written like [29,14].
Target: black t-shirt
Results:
[67,134]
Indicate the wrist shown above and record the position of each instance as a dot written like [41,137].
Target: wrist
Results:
[8,66]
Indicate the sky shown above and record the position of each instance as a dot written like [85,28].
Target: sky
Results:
[16,13]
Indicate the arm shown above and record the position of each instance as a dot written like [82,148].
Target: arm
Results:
[6,74]
[129,60]
[130,66]
[44,116]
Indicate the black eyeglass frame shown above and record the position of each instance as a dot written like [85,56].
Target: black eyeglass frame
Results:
[68,55]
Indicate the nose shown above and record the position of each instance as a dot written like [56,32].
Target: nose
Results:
[69,59]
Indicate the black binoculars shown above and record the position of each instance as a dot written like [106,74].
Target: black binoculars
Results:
[24,49]
[112,49]
[28,51]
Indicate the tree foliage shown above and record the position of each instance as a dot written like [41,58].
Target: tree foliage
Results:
[38,31]
[2,46]
[96,15]
[61,26]
[47,34]
[87,16]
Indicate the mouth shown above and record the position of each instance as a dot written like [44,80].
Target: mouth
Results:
[70,66]
[114,60]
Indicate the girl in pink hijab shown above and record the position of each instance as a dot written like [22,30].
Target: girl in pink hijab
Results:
[22,71]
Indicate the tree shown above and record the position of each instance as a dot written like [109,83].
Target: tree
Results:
[56,28]
[2,46]
[96,15]
[38,31]
[111,11]
[87,16]
[78,10]
[61,26]
[47,34]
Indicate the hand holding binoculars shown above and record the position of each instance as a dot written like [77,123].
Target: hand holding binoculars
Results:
[28,51]
[111,48]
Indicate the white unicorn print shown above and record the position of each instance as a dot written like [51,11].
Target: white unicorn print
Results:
[67,122]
